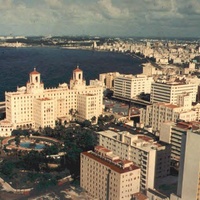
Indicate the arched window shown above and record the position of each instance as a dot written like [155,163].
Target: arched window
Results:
[36,79]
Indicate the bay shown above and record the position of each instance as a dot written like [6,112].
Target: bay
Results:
[56,65]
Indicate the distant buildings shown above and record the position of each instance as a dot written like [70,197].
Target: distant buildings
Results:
[105,176]
[150,70]
[108,79]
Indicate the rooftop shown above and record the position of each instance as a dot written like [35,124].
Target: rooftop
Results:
[77,69]
[34,72]
[117,165]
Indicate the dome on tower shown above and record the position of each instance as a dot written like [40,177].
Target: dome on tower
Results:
[34,71]
[77,69]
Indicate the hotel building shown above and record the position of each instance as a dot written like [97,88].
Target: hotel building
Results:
[105,176]
[33,106]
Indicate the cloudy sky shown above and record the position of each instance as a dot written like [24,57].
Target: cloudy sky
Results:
[163,18]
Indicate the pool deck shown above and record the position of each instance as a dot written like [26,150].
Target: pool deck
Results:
[9,144]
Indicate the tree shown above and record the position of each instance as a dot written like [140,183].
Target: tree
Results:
[86,123]
[7,168]
[73,113]
[93,119]
[17,140]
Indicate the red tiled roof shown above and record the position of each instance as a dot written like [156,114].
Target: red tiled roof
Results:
[77,69]
[140,196]
[109,164]
[34,71]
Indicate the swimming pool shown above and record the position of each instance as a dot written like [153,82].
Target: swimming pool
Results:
[30,145]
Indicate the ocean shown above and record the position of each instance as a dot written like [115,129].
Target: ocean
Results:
[56,65]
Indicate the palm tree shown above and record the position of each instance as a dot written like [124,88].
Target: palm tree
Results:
[73,113]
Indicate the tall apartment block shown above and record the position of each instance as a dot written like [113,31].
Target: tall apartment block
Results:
[172,133]
[34,106]
[105,176]
[168,92]
[189,171]
[151,156]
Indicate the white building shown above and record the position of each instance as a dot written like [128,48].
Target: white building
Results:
[168,92]
[189,171]
[172,133]
[34,106]
[105,176]
[129,86]
[158,113]
[152,157]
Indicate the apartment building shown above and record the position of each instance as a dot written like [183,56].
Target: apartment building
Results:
[158,113]
[189,171]
[34,106]
[129,86]
[105,176]
[168,92]
[172,133]
[151,156]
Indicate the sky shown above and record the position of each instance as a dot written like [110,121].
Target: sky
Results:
[128,18]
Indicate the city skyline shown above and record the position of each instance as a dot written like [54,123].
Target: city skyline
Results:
[146,18]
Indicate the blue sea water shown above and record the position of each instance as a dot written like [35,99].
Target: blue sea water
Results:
[56,65]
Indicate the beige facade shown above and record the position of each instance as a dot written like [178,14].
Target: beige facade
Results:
[105,176]
[87,106]
[44,112]
[189,170]
[140,149]
[158,113]
[108,79]
[5,128]
[172,133]
[34,106]
[150,70]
